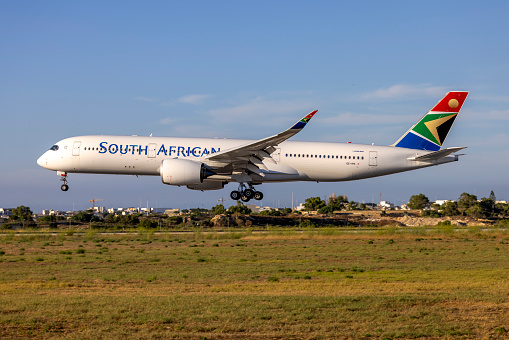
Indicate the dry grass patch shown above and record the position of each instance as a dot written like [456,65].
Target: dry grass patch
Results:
[322,284]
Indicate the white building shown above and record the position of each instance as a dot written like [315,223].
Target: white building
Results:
[386,205]
[5,212]
[442,202]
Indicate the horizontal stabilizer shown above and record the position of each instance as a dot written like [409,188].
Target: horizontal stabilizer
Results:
[437,154]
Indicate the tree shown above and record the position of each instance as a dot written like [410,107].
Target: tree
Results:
[286,211]
[328,209]
[313,204]
[465,201]
[418,202]
[502,208]
[21,214]
[148,224]
[239,209]
[337,202]
[487,206]
[218,209]
[83,216]
[110,218]
[450,209]
[352,205]
[475,211]
[492,196]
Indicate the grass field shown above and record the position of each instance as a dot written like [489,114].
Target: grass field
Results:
[312,285]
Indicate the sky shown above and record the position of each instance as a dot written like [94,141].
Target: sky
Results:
[239,69]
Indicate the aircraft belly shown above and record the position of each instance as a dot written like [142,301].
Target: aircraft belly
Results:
[326,172]
[119,165]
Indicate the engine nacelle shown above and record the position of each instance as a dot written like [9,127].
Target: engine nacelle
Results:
[183,172]
[207,185]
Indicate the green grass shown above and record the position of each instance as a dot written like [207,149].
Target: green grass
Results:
[317,284]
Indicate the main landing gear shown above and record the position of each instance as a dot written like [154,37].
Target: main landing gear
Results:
[64,186]
[245,194]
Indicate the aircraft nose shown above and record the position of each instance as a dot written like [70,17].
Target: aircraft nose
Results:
[42,160]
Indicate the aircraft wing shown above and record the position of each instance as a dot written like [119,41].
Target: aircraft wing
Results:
[249,156]
[437,154]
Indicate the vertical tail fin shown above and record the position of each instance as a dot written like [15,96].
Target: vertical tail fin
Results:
[430,132]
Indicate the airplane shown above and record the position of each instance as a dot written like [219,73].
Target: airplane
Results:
[210,163]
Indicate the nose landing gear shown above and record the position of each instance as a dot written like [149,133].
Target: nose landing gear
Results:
[245,194]
[64,187]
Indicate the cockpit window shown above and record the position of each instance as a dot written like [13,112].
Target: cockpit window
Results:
[54,148]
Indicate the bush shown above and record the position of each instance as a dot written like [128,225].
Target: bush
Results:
[271,212]
[430,213]
[307,224]
[147,224]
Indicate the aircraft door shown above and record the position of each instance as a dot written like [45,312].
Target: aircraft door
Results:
[373,158]
[152,150]
[76,148]
[276,155]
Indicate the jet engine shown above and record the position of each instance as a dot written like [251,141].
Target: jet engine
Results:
[207,185]
[183,172]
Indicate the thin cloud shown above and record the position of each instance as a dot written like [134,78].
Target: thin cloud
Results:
[261,108]
[194,99]
[146,99]
[406,91]
[166,121]
[357,119]
[497,115]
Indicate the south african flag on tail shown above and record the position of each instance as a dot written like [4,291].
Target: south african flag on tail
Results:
[430,132]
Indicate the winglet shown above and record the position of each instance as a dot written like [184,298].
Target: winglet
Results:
[301,123]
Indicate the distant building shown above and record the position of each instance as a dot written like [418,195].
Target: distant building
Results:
[5,212]
[300,207]
[50,212]
[100,209]
[160,210]
[442,202]
[255,208]
[371,205]
[172,212]
[386,205]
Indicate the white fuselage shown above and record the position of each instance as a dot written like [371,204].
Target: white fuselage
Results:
[291,161]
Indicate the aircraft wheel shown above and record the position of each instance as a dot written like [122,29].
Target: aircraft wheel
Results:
[64,187]
[245,199]
[248,193]
[258,195]
[234,195]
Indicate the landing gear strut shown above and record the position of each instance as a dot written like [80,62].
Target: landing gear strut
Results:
[64,186]
[245,194]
